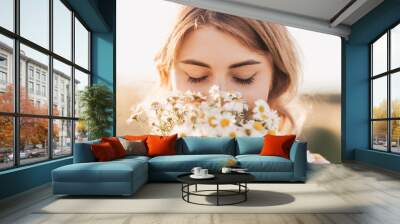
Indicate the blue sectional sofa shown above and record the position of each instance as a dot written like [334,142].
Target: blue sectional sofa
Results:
[125,176]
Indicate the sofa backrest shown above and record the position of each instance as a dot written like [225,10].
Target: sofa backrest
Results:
[192,145]
[249,145]
[83,152]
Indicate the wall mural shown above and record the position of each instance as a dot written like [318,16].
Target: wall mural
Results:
[198,72]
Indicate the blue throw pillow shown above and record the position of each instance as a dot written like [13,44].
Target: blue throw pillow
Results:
[249,145]
[192,145]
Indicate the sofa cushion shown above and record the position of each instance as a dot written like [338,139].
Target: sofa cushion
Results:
[275,145]
[116,145]
[103,152]
[111,171]
[161,145]
[185,163]
[249,145]
[192,145]
[257,163]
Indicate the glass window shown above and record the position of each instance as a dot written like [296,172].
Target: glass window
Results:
[30,87]
[379,98]
[62,29]
[81,45]
[81,131]
[7,14]
[33,140]
[34,79]
[6,142]
[395,138]
[395,95]
[34,21]
[81,82]
[30,71]
[395,47]
[40,62]
[62,137]
[379,135]
[379,56]
[6,73]
[62,72]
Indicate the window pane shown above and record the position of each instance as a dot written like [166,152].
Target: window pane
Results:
[35,21]
[6,74]
[81,131]
[395,138]
[62,138]
[62,29]
[7,14]
[81,81]
[395,94]
[6,142]
[379,97]
[379,135]
[62,89]
[395,47]
[81,45]
[379,55]
[34,72]
[33,139]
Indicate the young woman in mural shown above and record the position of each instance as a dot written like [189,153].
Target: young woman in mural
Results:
[257,59]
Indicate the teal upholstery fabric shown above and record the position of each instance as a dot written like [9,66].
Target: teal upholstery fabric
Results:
[206,145]
[122,177]
[249,145]
[298,155]
[83,152]
[185,163]
[257,163]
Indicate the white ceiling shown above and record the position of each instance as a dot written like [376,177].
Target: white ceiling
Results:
[321,9]
[324,16]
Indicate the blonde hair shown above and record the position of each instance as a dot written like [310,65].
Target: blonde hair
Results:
[263,37]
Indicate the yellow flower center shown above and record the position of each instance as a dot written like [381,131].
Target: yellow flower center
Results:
[261,109]
[211,121]
[258,126]
[264,117]
[225,122]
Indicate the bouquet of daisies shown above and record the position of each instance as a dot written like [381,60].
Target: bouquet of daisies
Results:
[219,113]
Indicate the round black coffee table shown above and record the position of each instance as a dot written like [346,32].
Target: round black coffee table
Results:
[238,179]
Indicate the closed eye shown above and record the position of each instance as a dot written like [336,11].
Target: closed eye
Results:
[192,79]
[246,81]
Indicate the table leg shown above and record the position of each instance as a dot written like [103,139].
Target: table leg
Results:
[217,194]
[245,193]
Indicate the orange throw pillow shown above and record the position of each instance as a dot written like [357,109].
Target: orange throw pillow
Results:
[103,152]
[116,145]
[277,145]
[136,137]
[161,145]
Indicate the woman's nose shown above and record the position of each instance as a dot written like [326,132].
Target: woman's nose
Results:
[220,81]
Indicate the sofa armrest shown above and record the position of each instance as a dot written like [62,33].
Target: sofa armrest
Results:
[298,155]
[83,152]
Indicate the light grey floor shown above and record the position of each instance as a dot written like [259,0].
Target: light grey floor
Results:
[379,189]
